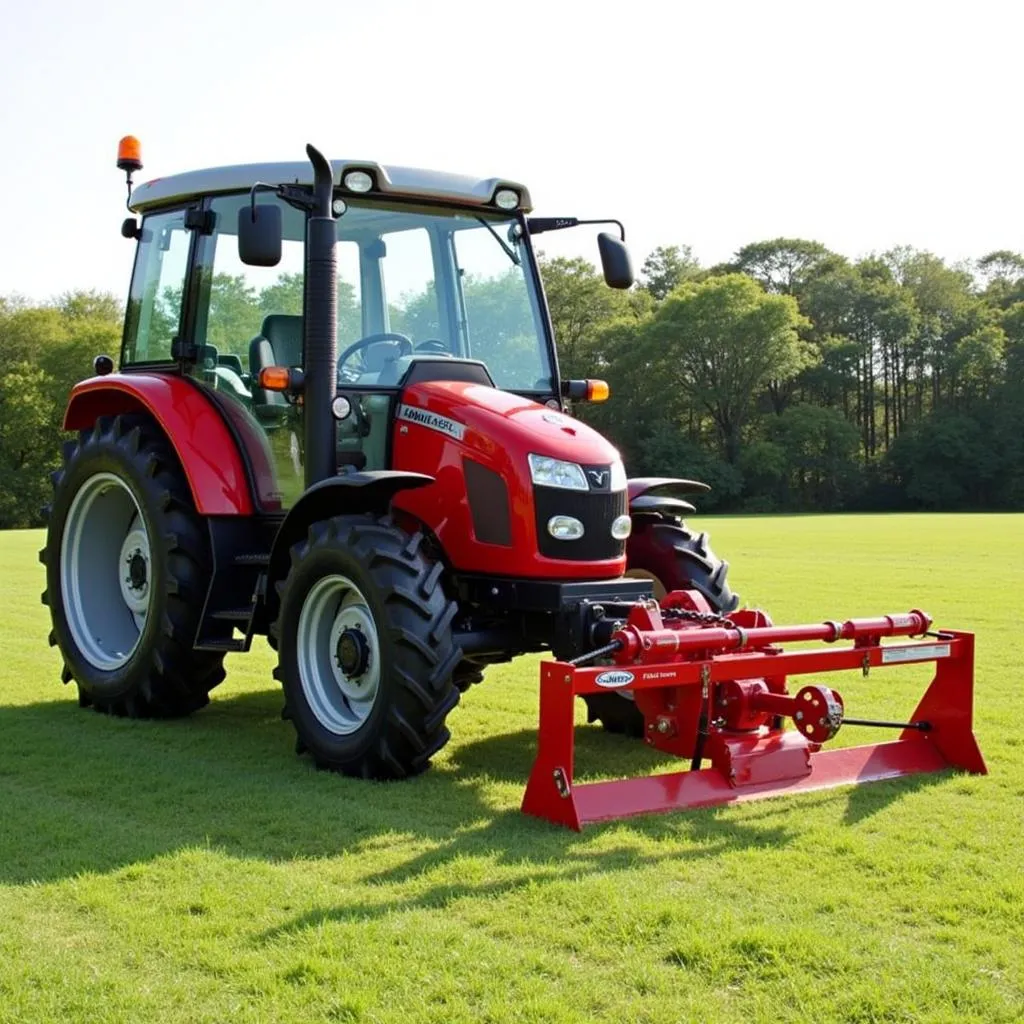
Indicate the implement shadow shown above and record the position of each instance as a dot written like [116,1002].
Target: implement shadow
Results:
[532,852]
[82,792]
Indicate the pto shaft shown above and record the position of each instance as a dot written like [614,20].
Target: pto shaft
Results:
[650,646]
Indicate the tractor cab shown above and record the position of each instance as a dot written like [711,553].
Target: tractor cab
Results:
[435,277]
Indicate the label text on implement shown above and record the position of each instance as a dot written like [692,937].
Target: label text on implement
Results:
[431,420]
[926,652]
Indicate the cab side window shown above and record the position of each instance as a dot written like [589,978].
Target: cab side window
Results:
[158,285]
[241,298]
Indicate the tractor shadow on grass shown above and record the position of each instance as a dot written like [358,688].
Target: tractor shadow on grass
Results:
[82,792]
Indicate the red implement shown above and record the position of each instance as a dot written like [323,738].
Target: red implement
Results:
[716,690]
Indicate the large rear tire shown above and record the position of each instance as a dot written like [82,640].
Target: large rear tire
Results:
[664,551]
[365,648]
[127,567]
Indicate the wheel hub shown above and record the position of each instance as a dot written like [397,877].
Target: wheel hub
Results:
[137,570]
[135,576]
[353,653]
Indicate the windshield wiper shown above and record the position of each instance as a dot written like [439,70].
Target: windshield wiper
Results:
[509,251]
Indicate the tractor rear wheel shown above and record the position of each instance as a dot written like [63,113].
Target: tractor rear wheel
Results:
[127,567]
[365,649]
[664,551]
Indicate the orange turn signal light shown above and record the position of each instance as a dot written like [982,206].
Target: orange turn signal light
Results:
[275,378]
[598,391]
[129,154]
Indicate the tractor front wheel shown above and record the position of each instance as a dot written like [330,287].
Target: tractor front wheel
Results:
[127,567]
[672,557]
[365,649]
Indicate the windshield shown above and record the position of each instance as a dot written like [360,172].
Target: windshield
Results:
[450,282]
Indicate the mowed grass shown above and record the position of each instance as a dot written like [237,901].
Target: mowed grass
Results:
[200,871]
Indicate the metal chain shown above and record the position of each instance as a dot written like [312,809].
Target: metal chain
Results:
[704,618]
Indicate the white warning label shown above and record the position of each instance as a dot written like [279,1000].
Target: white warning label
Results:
[925,652]
[431,420]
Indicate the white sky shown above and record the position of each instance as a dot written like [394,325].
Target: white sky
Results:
[860,124]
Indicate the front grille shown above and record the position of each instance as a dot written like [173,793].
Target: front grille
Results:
[594,509]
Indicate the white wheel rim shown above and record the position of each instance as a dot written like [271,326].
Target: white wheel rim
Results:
[105,571]
[341,702]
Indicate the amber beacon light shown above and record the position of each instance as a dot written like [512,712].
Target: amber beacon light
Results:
[129,158]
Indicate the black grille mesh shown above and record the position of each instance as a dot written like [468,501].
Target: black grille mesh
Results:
[594,509]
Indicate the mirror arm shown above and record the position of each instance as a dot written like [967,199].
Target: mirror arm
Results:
[535,225]
[259,186]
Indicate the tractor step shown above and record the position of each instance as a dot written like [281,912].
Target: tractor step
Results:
[242,615]
[241,554]
[225,646]
[256,559]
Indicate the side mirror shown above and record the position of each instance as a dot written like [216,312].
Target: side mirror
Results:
[259,235]
[615,261]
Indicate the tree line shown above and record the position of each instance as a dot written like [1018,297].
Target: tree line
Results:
[795,379]
[790,378]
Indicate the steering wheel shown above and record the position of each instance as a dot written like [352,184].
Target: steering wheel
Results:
[434,345]
[404,342]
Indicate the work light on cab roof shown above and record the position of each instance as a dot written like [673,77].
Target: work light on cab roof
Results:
[338,421]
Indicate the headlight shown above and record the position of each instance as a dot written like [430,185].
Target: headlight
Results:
[618,476]
[565,528]
[357,181]
[554,473]
[506,198]
[622,527]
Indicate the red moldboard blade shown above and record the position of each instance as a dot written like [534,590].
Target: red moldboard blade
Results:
[624,798]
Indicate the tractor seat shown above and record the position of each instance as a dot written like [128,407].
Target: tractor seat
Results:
[279,343]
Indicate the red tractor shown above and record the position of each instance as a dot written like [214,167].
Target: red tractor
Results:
[338,421]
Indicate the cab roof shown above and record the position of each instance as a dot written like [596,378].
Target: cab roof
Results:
[406,182]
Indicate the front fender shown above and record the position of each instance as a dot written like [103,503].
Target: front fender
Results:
[666,486]
[349,494]
[205,447]
[661,494]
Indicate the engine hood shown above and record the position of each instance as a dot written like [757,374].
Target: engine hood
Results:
[491,420]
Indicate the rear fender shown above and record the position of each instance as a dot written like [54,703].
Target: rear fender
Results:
[205,447]
[350,494]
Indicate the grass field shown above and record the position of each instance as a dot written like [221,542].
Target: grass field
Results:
[200,871]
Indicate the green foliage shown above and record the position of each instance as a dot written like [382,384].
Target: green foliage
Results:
[945,462]
[719,343]
[820,452]
[784,265]
[27,415]
[667,452]
[46,350]
[667,268]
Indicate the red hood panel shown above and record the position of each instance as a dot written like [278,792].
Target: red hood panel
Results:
[519,425]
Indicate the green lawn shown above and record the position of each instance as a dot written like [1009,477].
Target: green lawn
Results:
[200,871]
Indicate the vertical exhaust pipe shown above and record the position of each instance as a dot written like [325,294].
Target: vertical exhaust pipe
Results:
[320,326]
